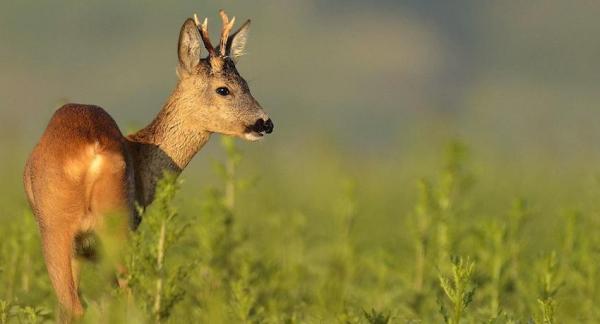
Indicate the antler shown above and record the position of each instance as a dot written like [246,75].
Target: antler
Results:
[226,29]
[204,34]
[227,26]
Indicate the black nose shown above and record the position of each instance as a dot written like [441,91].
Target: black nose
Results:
[269,126]
[263,126]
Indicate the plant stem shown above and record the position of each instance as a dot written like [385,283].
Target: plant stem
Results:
[230,184]
[159,266]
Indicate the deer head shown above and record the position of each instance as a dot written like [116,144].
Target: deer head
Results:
[219,97]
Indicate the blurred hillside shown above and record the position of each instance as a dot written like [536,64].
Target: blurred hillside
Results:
[513,79]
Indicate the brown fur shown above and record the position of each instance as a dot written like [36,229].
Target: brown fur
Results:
[83,167]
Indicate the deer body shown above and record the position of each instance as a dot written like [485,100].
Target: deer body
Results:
[83,168]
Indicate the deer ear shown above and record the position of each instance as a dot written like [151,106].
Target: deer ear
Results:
[188,49]
[236,44]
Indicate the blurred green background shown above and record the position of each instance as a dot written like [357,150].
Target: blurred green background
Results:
[366,77]
[366,92]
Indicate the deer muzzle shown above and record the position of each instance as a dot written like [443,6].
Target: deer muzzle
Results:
[261,126]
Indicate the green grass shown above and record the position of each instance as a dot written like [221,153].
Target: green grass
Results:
[330,246]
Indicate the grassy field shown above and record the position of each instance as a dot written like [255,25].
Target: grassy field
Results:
[326,243]
[360,207]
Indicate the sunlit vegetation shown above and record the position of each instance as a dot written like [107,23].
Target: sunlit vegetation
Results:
[455,258]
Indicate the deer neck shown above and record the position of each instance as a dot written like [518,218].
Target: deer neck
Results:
[167,144]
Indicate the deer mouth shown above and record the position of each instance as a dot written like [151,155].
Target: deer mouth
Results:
[254,135]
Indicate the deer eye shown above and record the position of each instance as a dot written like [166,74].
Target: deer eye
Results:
[223,91]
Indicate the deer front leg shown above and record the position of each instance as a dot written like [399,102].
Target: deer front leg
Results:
[75,269]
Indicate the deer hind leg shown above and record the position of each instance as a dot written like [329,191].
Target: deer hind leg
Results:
[58,254]
[111,202]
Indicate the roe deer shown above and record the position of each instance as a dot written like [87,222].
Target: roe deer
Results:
[83,167]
